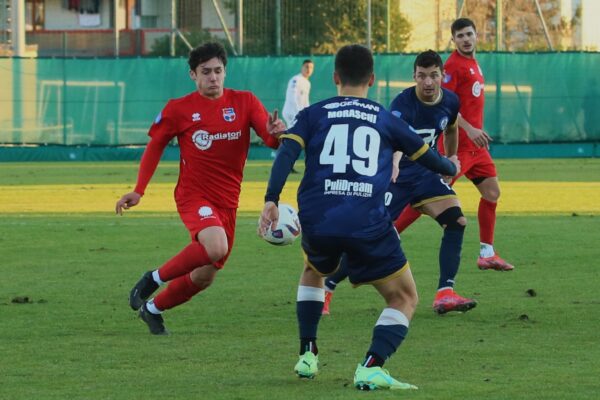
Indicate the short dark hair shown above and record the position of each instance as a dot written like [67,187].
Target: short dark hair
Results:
[462,23]
[205,52]
[354,64]
[428,59]
[307,61]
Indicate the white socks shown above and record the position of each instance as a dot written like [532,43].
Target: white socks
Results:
[486,250]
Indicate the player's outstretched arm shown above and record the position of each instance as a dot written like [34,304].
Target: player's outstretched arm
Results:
[432,160]
[148,164]
[282,166]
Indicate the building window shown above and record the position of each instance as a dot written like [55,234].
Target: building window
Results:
[34,15]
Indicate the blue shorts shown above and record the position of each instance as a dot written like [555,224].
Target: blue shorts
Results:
[369,260]
[416,191]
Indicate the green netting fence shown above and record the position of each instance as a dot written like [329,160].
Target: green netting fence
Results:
[530,98]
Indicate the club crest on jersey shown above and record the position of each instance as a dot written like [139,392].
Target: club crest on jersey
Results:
[229,114]
[196,117]
[443,123]
[158,118]
[447,77]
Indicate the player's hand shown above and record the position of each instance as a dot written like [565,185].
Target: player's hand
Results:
[275,126]
[127,201]
[268,218]
[479,137]
[454,159]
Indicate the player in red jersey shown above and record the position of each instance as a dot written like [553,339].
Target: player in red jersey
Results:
[212,126]
[464,77]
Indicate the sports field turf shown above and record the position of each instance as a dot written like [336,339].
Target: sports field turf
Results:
[68,262]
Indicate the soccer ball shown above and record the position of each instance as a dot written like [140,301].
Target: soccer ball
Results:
[288,227]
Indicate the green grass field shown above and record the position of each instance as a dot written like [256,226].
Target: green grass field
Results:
[73,336]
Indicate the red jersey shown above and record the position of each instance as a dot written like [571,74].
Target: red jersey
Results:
[463,76]
[213,137]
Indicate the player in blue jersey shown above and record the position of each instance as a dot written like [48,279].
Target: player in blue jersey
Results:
[430,110]
[349,143]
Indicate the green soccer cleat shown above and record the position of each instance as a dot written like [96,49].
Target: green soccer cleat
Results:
[377,378]
[307,366]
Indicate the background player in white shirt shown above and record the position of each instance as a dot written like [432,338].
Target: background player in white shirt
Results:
[298,91]
[296,95]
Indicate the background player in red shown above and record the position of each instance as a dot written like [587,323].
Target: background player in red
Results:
[212,126]
[464,77]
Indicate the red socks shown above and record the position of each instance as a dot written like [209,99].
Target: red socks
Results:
[191,257]
[177,292]
[406,218]
[487,220]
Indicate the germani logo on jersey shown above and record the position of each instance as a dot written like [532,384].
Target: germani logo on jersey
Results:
[196,117]
[443,123]
[350,102]
[344,187]
[203,140]
[229,114]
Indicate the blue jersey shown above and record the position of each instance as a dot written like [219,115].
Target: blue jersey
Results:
[428,120]
[349,143]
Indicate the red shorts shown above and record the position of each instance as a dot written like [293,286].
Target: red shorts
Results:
[200,214]
[476,164]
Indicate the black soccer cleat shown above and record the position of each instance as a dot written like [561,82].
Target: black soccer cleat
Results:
[142,290]
[155,322]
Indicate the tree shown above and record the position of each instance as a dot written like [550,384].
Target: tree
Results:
[320,27]
[522,27]
[162,46]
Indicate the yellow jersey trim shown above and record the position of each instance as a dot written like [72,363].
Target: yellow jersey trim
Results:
[396,274]
[293,137]
[419,152]
[433,200]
